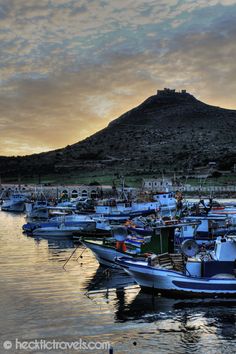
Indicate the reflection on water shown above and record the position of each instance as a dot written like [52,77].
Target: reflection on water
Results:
[41,300]
[108,279]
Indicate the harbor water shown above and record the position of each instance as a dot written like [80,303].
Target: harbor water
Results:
[42,301]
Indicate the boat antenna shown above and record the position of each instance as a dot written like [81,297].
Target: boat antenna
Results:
[123,194]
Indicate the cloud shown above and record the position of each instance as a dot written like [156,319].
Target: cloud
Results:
[68,68]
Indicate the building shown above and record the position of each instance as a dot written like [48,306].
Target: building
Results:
[168,91]
[60,191]
[157,184]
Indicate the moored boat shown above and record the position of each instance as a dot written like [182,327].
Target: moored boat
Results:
[15,203]
[37,210]
[79,222]
[161,239]
[204,275]
[59,231]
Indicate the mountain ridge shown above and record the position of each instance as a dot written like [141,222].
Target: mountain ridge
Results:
[167,129]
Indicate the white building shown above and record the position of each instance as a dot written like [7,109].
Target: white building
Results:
[157,184]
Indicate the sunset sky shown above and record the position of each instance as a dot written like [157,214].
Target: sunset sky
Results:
[68,67]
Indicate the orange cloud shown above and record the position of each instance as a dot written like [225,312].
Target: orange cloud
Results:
[68,70]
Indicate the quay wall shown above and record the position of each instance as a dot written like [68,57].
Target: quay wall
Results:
[74,191]
[207,189]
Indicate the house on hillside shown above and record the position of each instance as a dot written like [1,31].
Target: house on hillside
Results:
[157,184]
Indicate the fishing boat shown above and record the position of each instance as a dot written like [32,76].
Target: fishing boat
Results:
[85,221]
[188,273]
[15,203]
[163,203]
[107,249]
[80,222]
[211,225]
[166,202]
[37,210]
[161,239]
[56,231]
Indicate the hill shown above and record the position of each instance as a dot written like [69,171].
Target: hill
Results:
[170,130]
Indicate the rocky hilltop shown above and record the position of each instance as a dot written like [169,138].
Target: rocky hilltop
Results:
[168,130]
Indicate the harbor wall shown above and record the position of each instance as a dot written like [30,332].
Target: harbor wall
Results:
[74,191]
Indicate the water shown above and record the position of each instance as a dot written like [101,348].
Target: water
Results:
[41,300]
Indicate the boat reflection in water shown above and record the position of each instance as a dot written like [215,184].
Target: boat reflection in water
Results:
[58,248]
[55,243]
[108,280]
[196,321]
[42,299]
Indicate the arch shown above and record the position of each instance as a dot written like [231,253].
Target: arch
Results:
[74,194]
[64,193]
[84,193]
[93,194]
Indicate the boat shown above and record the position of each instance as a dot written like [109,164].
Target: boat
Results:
[107,249]
[211,225]
[166,202]
[15,203]
[160,239]
[207,274]
[59,231]
[80,222]
[84,221]
[102,229]
[142,226]
[163,203]
[37,210]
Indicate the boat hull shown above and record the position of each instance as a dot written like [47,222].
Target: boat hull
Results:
[13,207]
[104,255]
[174,283]
[55,232]
[78,226]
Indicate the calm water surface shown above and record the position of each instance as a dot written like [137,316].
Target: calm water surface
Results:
[41,300]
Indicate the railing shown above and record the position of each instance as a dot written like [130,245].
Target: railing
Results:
[219,189]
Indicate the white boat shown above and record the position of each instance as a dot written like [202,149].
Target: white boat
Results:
[212,274]
[210,226]
[59,231]
[104,254]
[85,222]
[15,203]
[37,210]
[106,250]
[102,224]
[78,222]
[164,203]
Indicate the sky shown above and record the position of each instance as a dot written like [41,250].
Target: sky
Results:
[69,67]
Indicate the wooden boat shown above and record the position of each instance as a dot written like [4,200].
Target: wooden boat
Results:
[205,275]
[161,239]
